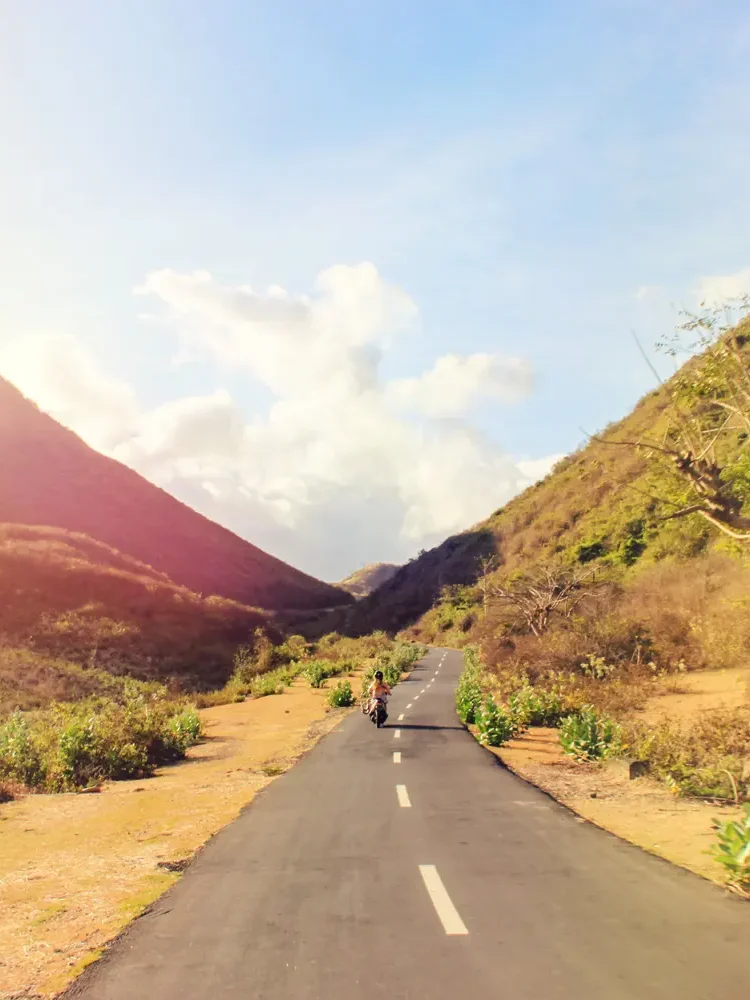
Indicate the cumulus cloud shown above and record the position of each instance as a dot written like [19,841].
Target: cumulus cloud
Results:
[719,289]
[61,376]
[344,467]
[454,383]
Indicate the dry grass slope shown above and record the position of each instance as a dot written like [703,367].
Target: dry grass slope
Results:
[50,477]
[74,611]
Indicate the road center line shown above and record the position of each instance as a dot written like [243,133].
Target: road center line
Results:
[397,735]
[409,705]
[449,918]
[403,797]
[401,717]
[396,757]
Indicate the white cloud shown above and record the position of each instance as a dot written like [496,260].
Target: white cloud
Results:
[454,383]
[58,373]
[647,292]
[537,468]
[291,343]
[333,475]
[721,289]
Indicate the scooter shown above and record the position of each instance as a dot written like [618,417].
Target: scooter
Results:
[378,713]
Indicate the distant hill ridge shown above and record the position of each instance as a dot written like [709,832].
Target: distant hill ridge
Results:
[50,477]
[369,578]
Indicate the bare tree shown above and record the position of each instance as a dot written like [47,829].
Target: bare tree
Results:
[487,564]
[709,400]
[550,592]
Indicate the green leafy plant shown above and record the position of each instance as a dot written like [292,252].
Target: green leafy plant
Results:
[469,689]
[733,850]
[20,753]
[596,668]
[341,696]
[74,745]
[531,706]
[588,736]
[495,724]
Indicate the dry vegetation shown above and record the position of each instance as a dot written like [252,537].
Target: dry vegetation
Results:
[73,612]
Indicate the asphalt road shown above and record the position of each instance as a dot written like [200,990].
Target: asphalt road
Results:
[436,875]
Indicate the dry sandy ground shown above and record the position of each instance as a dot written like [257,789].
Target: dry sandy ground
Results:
[643,811]
[74,869]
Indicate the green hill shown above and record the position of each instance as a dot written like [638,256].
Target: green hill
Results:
[617,509]
[75,612]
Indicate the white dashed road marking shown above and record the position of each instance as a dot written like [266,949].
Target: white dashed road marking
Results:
[401,717]
[396,757]
[397,735]
[449,917]
[409,705]
[403,797]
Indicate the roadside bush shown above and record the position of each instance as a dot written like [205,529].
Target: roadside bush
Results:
[706,758]
[274,681]
[20,752]
[74,745]
[495,724]
[469,689]
[341,696]
[733,850]
[588,736]
[317,671]
[531,706]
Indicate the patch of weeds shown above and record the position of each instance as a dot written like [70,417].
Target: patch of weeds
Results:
[272,770]
[531,706]
[469,689]
[733,850]
[704,759]
[341,696]
[589,736]
[494,723]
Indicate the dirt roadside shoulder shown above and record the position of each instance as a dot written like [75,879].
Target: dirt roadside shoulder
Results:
[75,869]
[642,811]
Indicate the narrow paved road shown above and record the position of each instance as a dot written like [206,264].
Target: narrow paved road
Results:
[405,863]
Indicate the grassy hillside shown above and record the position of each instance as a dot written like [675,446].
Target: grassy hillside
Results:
[50,477]
[75,612]
[369,578]
[604,509]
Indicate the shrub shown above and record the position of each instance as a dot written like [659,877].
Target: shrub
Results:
[272,682]
[20,754]
[495,724]
[315,673]
[73,745]
[530,706]
[596,668]
[588,736]
[733,850]
[704,759]
[469,689]
[341,696]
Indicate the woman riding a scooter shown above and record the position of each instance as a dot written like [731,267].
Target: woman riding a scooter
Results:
[378,691]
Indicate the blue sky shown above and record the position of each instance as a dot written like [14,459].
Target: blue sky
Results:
[538,178]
